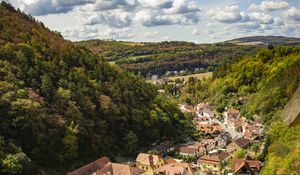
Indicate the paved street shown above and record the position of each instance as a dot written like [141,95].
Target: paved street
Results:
[233,133]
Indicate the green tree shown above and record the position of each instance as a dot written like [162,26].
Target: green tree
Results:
[14,163]
[240,153]
[131,141]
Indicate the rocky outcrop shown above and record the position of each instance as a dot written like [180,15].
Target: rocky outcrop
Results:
[291,112]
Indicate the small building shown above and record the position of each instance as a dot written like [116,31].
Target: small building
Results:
[233,113]
[246,166]
[91,168]
[164,147]
[222,140]
[149,162]
[210,128]
[210,164]
[209,144]
[189,151]
[176,168]
[238,144]
[186,108]
[104,166]
[119,169]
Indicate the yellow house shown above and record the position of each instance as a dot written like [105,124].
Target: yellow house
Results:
[149,162]
[210,164]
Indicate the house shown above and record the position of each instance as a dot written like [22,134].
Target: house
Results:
[238,144]
[202,120]
[170,160]
[205,110]
[210,164]
[91,168]
[176,168]
[253,131]
[222,140]
[186,108]
[189,151]
[246,166]
[164,147]
[233,113]
[119,169]
[238,124]
[209,144]
[210,128]
[149,162]
[223,156]
[202,150]
[208,113]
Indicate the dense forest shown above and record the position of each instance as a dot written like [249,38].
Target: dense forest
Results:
[158,58]
[61,106]
[260,85]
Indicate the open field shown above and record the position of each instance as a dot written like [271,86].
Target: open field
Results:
[198,76]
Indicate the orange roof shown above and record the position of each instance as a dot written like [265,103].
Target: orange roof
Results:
[119,169]
[175,168]
[188,149]
[91,167]
[211,159]
[170,160]
[145,159]
[233,111]
[237,164]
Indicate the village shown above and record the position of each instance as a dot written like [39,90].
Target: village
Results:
[228,144]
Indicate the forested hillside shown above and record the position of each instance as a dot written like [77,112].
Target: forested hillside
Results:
[158,58]
[259,85]
[265,40]
[61,106]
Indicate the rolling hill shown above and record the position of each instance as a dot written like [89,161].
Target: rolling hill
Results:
[146,59]
[61,106]
[265,40]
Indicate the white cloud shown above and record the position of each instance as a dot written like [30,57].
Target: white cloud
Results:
[154,4]
[114,4]
[182,6]
[80,32]
[229,14]
[125,33]
[262,18]
[150,18]
[44,7]
[269,6]
[196,32]
[115,18]
[293,14]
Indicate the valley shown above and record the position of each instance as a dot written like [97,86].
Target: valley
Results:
[109,107]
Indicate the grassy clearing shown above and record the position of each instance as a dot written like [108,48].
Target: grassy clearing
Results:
[198,76]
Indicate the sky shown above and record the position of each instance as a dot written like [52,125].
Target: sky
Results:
[200,21]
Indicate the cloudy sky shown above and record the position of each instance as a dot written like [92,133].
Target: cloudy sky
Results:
[201,21]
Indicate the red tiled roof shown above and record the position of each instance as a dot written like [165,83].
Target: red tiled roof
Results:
[242,142]
[211,159]
[188,150]
[119,169]
[91,167]
[237,164]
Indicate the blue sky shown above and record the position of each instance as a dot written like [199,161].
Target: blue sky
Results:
[200,21]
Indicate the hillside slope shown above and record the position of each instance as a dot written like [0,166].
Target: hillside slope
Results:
[158,58]
[265,40]
[260,85]
[61,106]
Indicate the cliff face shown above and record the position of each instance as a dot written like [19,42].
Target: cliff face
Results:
[291,112]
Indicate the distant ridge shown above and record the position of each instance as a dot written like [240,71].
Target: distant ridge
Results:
[265,40]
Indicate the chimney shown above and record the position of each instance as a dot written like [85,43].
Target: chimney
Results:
[151,160]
